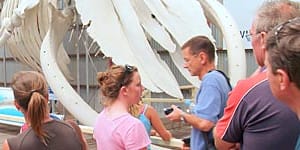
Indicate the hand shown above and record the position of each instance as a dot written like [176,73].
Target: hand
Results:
[175,115]
[185,147]
[236,146]
[154,133]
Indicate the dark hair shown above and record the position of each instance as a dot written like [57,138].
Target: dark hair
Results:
[283,46]
[273,12]
[31,93]
[201,44]
[113,79]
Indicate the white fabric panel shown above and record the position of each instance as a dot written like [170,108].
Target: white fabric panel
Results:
[152,26]
[160,74]
[191,15]
[184,20]
[107,30]
[172,23]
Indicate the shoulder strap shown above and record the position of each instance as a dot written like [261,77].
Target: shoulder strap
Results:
[226,77]
[145,109]
[209,144]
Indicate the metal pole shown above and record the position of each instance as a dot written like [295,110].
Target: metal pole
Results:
[77,60]
[86,66]
[4,66]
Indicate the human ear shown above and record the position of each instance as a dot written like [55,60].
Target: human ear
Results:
[283,78]
[203,57]
[124,90]
[17,105]
[263,39]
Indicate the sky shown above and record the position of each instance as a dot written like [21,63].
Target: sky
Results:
[243,12]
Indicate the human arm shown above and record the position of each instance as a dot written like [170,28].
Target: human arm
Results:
[193,120]
[79,133]
[207,108]
[223,145]
[234,135]
[5,145]
[157,124]
[230,127]
[209,103]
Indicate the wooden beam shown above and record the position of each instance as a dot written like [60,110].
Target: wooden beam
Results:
[175,143]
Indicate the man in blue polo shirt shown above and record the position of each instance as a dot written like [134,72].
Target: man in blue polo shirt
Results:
[199,56]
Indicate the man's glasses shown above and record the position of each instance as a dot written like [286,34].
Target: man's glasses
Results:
[281,26]
[250,36]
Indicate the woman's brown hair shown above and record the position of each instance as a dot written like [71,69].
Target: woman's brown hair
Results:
[31,93]
[113,79]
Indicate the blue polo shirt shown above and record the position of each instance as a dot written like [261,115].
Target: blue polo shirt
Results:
[210,102]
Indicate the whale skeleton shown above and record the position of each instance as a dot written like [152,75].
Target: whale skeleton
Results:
[34,30]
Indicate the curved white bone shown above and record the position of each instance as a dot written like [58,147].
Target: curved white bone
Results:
[235,48]
[59,24]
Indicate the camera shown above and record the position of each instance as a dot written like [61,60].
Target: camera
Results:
[187,141]
[168,110]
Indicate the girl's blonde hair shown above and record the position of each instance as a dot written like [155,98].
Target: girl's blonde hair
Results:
[134,109]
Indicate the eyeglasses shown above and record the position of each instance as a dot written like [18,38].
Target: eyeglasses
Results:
[128,70]
[279,28]
[251,35]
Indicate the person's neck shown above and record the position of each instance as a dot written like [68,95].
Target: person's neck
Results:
[295,105]
[117,108]
[206,69]
[293,99]
[46,119]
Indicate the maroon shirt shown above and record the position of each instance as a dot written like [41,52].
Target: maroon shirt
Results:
[256,119]
[61,137]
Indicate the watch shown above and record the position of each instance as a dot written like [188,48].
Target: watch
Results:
[182,116]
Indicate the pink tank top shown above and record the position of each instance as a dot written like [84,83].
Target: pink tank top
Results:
[123,132]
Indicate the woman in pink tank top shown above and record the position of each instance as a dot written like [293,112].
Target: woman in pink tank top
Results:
[115,128]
